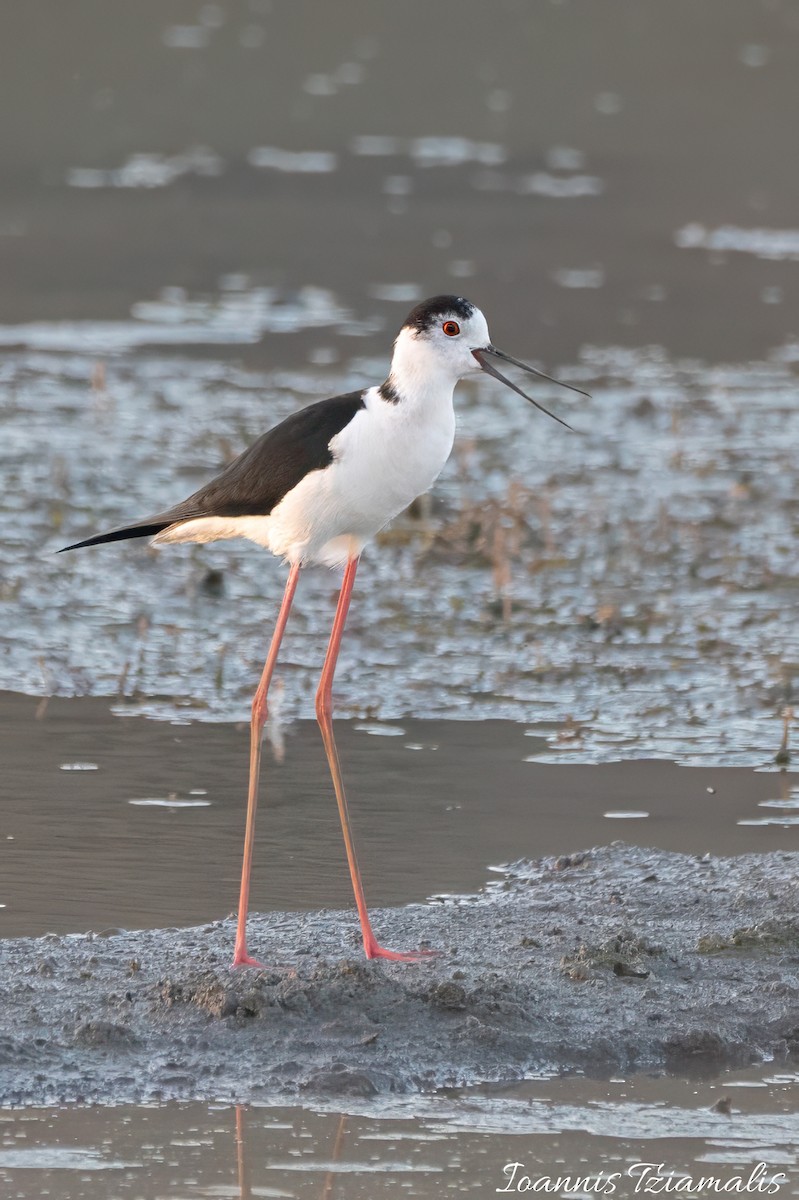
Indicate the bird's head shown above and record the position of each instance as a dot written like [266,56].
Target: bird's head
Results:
[446,338]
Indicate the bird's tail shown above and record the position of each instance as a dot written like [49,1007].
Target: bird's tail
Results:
[148,528]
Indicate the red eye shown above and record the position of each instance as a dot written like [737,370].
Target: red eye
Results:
[451,328]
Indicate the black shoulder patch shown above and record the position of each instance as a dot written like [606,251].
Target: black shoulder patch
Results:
[428,313]
[388,391]
[258,479]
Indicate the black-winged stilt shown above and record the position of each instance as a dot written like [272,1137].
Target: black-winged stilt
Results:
[314,490]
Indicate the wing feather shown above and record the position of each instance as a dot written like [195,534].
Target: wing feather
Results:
[255,482]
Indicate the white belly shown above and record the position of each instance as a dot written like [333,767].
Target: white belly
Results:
[387,456]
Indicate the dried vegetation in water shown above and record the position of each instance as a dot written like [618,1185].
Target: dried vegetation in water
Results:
[629,589]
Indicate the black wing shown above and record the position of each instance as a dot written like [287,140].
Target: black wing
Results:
[258,479]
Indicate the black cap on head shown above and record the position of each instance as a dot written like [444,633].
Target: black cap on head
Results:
[429,312]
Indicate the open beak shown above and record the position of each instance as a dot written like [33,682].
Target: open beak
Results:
[490,369]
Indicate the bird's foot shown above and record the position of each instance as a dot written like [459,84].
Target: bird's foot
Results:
[242,959]
[373,950]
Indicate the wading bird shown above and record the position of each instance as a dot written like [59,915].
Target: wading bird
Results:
[316,488]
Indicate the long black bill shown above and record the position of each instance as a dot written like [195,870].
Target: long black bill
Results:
[490,369]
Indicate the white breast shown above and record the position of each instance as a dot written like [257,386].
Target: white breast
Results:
[387,456]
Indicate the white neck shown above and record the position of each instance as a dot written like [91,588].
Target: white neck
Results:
[418,373]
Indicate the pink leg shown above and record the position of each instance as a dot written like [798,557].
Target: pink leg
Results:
[259,713]
[324,714]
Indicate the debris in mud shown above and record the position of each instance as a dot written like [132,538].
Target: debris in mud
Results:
[711,943]
[771,934]
[449,995]
[657,994]
[103,1034]
[624,954]
[564,861]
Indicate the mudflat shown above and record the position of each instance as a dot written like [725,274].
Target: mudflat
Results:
[618,958]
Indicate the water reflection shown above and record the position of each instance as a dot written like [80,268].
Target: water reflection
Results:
[411,1146]
[245,1191]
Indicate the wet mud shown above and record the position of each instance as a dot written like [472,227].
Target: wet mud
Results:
[610,960]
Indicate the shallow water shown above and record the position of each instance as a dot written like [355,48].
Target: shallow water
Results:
[459,1143]
[149,816]
[633,586]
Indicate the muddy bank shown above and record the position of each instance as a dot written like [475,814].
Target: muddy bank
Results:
[612,960]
